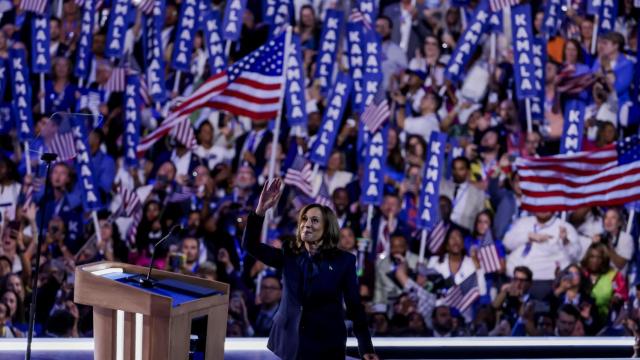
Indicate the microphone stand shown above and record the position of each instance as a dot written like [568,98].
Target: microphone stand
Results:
[48,158]
[147,282]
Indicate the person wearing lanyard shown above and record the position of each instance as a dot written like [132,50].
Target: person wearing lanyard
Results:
[542,243]
[468,200]
[317,279]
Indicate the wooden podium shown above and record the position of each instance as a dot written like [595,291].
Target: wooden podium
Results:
[131,322]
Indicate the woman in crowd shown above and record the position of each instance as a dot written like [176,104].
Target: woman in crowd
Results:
[317,278]
[453,261]
[482,235]
[59,93]
[6,330]
[334,176]
[17,313]
[619,243]
[609,287]
[427,59]
[9,190]
[308,28]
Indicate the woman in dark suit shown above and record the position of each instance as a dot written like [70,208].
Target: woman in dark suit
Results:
[317,279]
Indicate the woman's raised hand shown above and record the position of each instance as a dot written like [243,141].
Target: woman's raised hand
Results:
[270,195]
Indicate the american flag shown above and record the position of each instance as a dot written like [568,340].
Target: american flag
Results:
[250,87]
[488,254]
[323,197]
[36,6]
[146,6]
[182,193]
[132,232]
[375,115]
[497,5]
[183,133]
[464,295]
[117,80]
[299,174]
[28,197]
[63,145]
[570,83]
[437,235]
[604,177]
[81,3]
[130,201]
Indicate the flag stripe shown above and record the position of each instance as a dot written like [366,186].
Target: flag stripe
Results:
[566,182]
[552,180]
[622,183]
[241,111]
[249,98]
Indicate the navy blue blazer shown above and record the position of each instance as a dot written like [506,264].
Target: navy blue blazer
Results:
[309,323]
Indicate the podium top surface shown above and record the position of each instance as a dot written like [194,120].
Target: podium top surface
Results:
[179,292]
[115,286]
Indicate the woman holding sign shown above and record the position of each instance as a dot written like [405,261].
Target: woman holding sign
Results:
[317,278]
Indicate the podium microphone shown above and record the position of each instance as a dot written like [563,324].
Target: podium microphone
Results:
[146,282]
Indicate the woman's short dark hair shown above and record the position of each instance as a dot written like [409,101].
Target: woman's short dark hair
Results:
[331,234]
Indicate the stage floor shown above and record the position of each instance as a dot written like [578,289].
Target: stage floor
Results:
[388,348]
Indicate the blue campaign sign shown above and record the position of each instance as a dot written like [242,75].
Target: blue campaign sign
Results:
[375,159]
[523,45]
[553,16]
[455,150]
[323,146]
[369,10]
[90,198]
[154,60]
[539,62]
[83,60]
[428,209]
[593,6]
[355,45]
[607,16]
[269,11]
[132,104]
[4,72]
[232,24]
[214,43]
[468,42]
[372,70]
[294,95]
[495,22]
[183,45]
[573,127]
[40,43]
[328,52]
[21,102]
[636,73]
[118,24]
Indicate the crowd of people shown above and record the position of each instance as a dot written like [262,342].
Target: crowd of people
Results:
[570,274]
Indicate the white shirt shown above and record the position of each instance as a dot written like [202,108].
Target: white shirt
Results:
[542,258]
[422,125]
[467,268]
[211,156]
[338,180]
[181,162]
[405,28]
[9,196]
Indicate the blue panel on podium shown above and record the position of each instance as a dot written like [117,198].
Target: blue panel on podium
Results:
[179,292]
